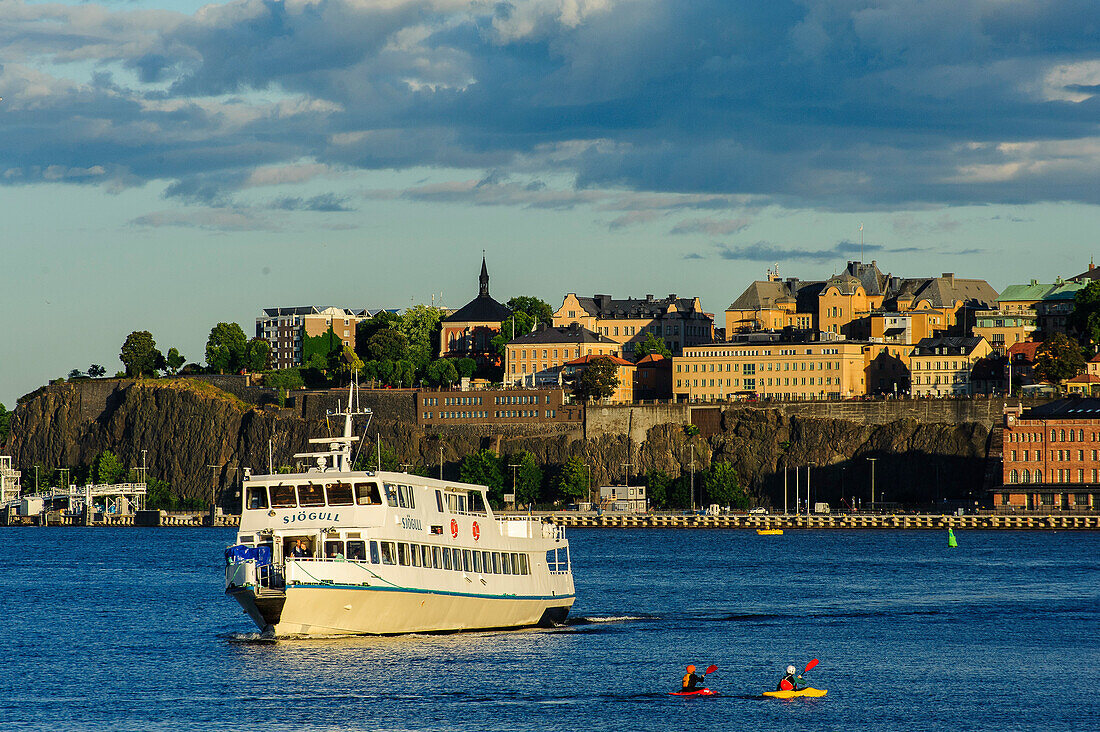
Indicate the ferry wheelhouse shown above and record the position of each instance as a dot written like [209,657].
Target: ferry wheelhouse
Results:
[337,551]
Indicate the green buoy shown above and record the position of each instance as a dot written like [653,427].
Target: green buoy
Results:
[951,538]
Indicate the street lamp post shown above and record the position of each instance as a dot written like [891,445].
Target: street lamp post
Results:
[143,468]
[513,467]
[872,461]
[213,489]
[808,490]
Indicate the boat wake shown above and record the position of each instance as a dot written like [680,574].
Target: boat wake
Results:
[593,619]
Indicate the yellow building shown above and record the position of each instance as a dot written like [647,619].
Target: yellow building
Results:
[624,392]
[536,359]
[943,366]
[678,321]
[789,371]
[857,303]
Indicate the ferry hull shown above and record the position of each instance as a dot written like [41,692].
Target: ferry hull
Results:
[369,611]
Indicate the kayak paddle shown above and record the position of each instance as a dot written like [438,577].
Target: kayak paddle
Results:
[710,669]
[810,665]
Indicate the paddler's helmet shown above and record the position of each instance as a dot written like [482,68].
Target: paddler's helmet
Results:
[691,669]
[791,669]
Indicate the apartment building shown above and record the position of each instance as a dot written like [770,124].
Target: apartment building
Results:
[679,322]
[847,304]
[285,328]
[1051,457]
[773,370]
[943,366]
[537,358]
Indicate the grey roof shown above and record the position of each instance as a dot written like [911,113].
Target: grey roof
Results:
[571,333]
[953,345]
[605,306]
[301,310]
[1066,408]
[942,291]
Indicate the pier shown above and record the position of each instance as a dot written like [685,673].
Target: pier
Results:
[1050,522]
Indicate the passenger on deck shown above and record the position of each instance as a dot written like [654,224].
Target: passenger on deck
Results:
[691,680]
[790,681]
[299,549]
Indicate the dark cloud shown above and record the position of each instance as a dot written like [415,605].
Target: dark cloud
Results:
[326,203]
[838,104]
[764,251]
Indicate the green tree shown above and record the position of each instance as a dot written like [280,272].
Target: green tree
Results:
[483,468]
[257,355]
[511,329]
[365,329]
[404,374]
[442,372]
[658,483]
[283,381]
[173,360]
[572,482]
[76,374]
[1086,313]
[528,477]
[651,344]
[368,458]
[326,345]
[225,348]
[721,486]
[466,367]
[5,423]
[347,364]
[421,325]
[109,469]
[139,354]
[388,344]
[1058,359]
[598,380]
[96,371]
[538,311]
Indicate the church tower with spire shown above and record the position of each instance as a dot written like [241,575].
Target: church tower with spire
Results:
[468,332]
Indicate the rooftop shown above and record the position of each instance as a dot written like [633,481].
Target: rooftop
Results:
[562,334]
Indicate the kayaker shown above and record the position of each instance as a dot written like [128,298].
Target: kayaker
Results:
[691,679]
[790,681]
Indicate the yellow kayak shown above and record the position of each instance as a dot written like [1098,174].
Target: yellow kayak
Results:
[770,532]
[800,692]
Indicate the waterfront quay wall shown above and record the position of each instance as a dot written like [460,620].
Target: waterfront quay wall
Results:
[929,522]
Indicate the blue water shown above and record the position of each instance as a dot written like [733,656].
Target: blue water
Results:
[128,629]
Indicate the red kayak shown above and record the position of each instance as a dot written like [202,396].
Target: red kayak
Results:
[697,692]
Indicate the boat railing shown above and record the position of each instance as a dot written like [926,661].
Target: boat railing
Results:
[271,576]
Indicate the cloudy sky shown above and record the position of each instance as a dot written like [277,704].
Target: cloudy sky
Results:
[167,164]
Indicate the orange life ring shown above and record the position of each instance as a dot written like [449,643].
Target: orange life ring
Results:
[454,529]
[477,531]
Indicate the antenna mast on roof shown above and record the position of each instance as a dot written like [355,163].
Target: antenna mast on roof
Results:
[861,242]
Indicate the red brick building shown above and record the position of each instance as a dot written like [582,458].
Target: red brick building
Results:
[1051,458]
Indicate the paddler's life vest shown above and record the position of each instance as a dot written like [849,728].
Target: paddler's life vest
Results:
[786,683]
[689,682]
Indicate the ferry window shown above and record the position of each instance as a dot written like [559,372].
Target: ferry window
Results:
[452,502]
[477,502]
[414,550]
[366,494]
[447,559]
[311,495]
[282,496]
[524,564]
[458,559]
[412,496]
[436,557]
[339,494]
[427,552]
[563,559]
[439,501]
[357,550]
[391,495]
[477,562]
[334,550]
[401,496]
[505,563]
[374,556]
[467,561]
[496,562]
[403,554]
[257,496]
[551,560]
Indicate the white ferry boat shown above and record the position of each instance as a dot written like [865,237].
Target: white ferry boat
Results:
[336,551]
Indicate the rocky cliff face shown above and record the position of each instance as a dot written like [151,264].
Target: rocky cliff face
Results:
[185,426]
